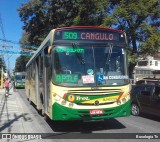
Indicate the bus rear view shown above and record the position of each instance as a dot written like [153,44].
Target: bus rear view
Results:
[19,79]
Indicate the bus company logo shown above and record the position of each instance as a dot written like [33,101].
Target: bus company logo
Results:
[71,98]
[79,98]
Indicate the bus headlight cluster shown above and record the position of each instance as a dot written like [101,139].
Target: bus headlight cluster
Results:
[57,98]
[122,101]
[62,101]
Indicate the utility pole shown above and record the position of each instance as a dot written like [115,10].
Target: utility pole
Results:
[2,71]
[8,59]
[4,45]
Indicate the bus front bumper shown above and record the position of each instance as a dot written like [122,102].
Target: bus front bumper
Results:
[60,112]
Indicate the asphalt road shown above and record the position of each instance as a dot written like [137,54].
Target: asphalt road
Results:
[118,129]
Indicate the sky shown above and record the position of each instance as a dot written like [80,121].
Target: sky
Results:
[12,27]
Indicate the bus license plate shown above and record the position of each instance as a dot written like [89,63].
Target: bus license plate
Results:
[96,112]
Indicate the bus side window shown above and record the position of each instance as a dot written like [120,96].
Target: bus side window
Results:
[33,70]
[29,72]
[40,68]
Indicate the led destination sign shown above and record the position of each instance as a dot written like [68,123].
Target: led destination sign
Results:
[89,34]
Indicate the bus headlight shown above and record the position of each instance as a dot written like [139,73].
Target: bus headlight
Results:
[63,102]
[124,100]
[119,102]
[128,97]
[57,98]
[70,104]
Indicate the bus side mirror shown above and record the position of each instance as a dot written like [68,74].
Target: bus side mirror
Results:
[47,60]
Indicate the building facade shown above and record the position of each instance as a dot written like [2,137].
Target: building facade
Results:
[147,68]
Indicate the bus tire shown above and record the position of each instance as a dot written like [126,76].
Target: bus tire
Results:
[30,102]
[135,110]
[46,117]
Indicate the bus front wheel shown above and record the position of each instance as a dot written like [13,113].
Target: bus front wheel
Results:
[43,113]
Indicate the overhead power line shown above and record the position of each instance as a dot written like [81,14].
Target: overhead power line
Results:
[1,26]
[19,43]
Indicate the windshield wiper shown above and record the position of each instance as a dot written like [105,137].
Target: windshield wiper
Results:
[80,58]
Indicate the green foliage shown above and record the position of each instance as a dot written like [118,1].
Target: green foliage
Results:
[21,64]
[140,19]
[2,64]
[90,12]
[40,16]
[151,40]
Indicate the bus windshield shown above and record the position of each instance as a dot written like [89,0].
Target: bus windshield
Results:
[20,77]
[93,65]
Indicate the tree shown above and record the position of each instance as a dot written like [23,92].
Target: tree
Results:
[21,62]
[2,64]
[140,20]
[40,16]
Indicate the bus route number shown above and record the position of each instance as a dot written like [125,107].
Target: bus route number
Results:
[70,35]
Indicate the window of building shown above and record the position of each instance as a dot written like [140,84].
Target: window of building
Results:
[150,63]
[156,63]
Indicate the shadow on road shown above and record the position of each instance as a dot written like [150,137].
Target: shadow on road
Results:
[4,112]
[85,127]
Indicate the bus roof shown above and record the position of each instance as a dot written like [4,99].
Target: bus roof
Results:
[86,27]
[20,73]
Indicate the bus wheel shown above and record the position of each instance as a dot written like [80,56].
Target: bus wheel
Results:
[135,109]
[45,117]
[30,102]
[43,113]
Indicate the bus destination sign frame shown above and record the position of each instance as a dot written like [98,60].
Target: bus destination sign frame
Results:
[89,35]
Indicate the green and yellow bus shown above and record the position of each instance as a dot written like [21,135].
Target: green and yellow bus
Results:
[80,73]
[19,79]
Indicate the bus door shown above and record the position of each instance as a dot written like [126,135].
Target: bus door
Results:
[37,84]
[47,77]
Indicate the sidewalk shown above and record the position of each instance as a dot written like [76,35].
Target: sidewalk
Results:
[15,111]
[16,117]
[10,113]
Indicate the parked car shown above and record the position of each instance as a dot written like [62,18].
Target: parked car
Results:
[145,98]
